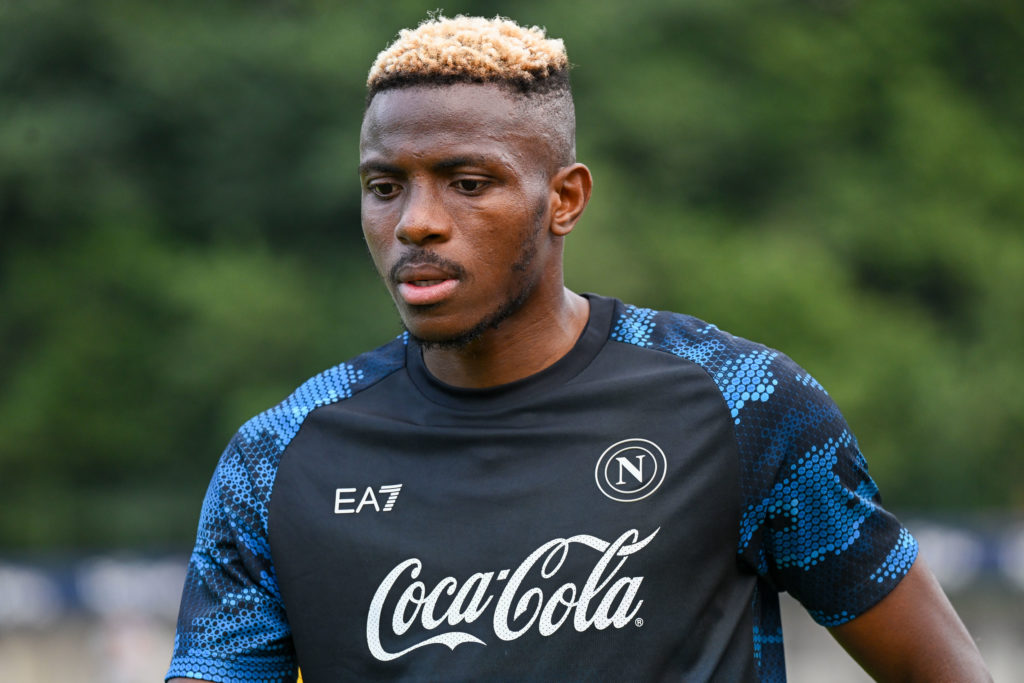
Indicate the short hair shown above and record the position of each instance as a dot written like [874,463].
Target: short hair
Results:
[522,60]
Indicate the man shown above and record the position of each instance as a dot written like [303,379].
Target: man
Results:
[530,484]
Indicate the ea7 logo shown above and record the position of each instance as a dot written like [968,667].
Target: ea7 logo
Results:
[343,505]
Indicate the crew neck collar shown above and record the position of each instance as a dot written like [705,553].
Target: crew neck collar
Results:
[587,346]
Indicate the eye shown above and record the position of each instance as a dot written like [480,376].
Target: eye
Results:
[384,190]
[470,185]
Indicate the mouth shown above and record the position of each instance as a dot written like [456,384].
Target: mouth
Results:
[426,292]
[425,284]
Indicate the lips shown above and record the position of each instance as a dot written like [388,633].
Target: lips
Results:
[423,285]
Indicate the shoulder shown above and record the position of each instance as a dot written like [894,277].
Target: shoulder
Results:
[681,335]
[337,383]
[245,473]
[771,399]
[811,517]
[779,411]
[745,372]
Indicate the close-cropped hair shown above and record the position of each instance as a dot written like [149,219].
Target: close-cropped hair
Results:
[521,60]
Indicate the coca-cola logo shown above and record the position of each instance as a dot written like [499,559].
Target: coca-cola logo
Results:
[530,597]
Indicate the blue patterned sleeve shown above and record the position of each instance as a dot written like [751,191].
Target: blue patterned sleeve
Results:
[232,626]
[813,523]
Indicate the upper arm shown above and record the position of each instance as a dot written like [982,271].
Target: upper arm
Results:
[913,634]
[232,619]
[813,524]
[817,530]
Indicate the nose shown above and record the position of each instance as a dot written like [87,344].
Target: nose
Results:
[424,218]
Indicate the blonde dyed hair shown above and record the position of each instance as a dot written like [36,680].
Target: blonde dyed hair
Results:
[523,61]
[471,49]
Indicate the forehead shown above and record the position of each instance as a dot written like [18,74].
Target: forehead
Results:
[475,119]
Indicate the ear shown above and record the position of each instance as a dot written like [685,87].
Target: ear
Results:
[570,192]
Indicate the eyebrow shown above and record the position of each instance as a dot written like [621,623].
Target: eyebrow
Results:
[442,165]
[379,167]
[455,162]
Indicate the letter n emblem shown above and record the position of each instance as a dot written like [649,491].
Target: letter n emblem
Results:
[630,470]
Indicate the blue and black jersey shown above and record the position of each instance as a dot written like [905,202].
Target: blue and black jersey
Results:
[629,513]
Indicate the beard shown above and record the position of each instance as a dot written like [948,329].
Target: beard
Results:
[509,306]
[504,311]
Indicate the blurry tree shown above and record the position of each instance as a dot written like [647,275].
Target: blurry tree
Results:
[180,243]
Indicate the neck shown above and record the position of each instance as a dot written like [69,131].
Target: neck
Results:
[517,348]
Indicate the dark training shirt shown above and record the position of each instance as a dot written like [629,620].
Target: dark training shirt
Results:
[629,513]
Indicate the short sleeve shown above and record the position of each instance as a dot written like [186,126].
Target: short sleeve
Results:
[232,626]
[813,524]
[811,519]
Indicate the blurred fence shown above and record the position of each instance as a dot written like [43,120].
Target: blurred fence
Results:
[111,618]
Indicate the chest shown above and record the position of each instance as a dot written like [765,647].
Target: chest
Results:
[407,536]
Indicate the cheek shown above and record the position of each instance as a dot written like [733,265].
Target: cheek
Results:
[377,230]
[376,243]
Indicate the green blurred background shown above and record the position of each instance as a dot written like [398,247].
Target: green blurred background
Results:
[180,241]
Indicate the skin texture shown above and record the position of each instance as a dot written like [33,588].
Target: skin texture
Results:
[913,634]
[457,187]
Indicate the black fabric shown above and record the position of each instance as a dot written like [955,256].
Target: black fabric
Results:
[489,477]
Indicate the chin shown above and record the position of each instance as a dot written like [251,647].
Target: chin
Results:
[437,339]
[462,337]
